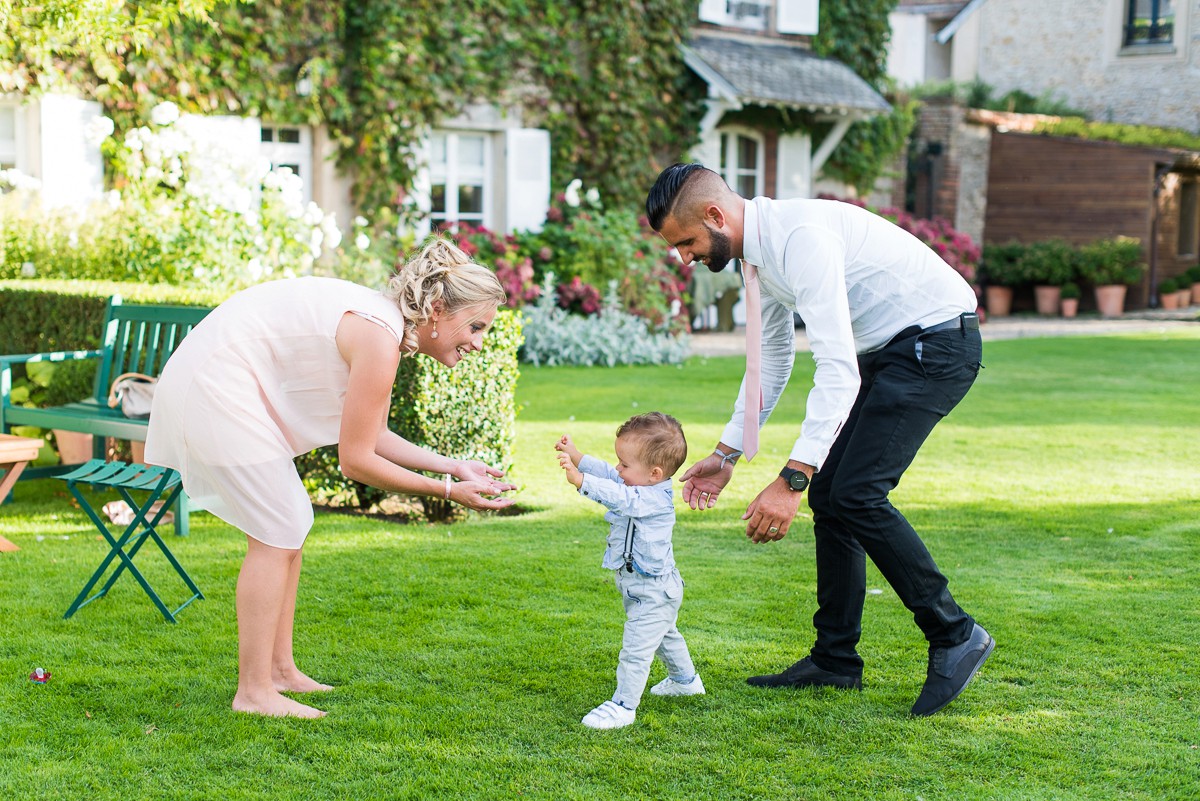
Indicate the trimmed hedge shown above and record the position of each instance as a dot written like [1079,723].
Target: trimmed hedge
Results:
[468,412]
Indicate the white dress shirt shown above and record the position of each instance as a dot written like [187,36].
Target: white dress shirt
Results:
[856,280]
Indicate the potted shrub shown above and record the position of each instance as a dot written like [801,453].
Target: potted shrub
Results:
[1193,278]
[1048,265]
[1112,265]
[1168,294]
[1001,271]
[1069,298]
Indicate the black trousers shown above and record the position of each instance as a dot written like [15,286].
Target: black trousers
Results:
[907,387]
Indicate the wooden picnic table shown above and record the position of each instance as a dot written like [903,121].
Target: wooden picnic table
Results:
[15,453]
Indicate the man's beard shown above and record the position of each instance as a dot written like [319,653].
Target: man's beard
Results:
[719,250]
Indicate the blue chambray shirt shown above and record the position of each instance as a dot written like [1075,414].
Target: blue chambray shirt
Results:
[651,508]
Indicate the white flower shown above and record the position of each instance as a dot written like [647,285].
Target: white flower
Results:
[593,196]
[112,198]
[97,130]
[362,241]
[19,180]
[255,268]
[164,113]
[675,307]
[572,193]
[28,270]
[360,222]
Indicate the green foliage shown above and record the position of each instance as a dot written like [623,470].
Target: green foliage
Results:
[611,337]
[1168,286]
[1141,135]
[1104,261]
[604,77]
[1001,264]
[38,38]
[467,412]
[1112,261]
[188,212]
[598,75]
[588,248]
[856,32]
[1049,263]
[1070,291]
[978,94]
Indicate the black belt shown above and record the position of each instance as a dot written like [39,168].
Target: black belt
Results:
[967,321]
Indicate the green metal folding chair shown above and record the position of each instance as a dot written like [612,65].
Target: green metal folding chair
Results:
[123,478]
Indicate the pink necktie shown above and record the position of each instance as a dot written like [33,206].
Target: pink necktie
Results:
[753,362]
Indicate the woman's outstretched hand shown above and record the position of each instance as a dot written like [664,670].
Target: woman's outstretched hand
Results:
[475,470]
[481,495]
[477,487]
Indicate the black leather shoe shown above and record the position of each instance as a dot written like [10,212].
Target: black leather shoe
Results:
[951,670]
[805,674]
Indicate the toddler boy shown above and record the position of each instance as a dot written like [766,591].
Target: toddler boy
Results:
[637,492]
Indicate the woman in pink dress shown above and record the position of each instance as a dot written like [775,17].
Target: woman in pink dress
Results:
[288,366]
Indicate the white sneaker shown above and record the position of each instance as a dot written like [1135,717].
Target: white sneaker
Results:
[609,715]
[669,686]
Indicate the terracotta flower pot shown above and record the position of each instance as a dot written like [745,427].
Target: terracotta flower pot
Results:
[1046,299]
[999,301]
[1070,307]
[1110,300]
[1168,301]
[1196,294]
[1185,298]
[74,447]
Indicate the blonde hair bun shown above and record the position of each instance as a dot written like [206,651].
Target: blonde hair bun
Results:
[441,275]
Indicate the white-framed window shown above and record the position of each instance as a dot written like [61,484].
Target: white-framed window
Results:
[790,16]
[9,133]
[289,146]
[742,160]
[460,178]
[1149,22]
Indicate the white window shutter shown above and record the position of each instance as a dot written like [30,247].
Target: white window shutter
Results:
[72,169]
[797,16]
[527,178]
[708,151]
[712,11]
[794,178]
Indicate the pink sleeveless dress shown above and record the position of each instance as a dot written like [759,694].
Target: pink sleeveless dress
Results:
[257,383]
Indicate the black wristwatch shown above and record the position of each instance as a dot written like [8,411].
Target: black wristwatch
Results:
[796,479]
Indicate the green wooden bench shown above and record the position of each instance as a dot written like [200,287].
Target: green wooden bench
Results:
[136,338]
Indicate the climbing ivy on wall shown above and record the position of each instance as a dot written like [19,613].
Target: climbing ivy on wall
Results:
[856,32]
[603,76]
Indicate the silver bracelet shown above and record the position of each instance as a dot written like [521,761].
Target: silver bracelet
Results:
[727,458]
[447,486]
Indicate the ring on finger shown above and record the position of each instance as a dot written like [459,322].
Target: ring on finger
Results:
[773,529]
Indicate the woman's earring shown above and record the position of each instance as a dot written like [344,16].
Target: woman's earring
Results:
[434,335]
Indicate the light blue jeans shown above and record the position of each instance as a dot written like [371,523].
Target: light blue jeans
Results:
[651,609]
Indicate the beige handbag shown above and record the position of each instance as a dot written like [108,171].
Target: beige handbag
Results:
[134,393]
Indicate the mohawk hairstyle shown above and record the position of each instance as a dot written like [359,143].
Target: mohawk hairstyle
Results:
[664,195]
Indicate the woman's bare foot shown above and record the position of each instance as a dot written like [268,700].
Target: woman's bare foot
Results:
[293,681]
[273,705]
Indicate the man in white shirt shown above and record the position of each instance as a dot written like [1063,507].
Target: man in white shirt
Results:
[896,344]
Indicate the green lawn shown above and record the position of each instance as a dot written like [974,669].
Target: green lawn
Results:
[1061,498]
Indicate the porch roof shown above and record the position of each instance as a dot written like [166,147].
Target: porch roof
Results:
[774,73]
